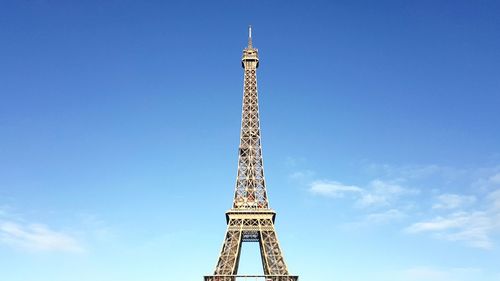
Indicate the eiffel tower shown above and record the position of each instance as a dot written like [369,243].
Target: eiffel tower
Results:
[250,219]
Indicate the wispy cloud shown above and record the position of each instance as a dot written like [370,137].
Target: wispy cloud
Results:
[472,228]
[475,228]
[453,201]
[333,188]
[375,218]
[461,205]
[471,219]
[19,233]
[487,179]
[385,216]
[37,237]
[494,200]
[383,193]
[376,193]
[495,179]
[301,175]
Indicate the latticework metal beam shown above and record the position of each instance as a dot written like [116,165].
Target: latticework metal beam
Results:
[250,219]
[251,278]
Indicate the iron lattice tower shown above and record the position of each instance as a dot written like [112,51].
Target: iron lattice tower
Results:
[250,219]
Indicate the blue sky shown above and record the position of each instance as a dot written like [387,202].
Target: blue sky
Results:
[119,127]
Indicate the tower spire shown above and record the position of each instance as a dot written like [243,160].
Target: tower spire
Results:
[250,58]
[250,37]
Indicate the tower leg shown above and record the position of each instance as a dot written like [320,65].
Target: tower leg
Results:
[230,253]
[272,257]
[251,227]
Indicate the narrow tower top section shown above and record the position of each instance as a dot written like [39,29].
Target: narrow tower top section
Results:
[250,58]
[250,191]
[249,36]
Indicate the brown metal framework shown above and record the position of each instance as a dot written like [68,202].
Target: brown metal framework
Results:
[250,219]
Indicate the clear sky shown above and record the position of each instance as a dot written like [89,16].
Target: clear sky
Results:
[119,127]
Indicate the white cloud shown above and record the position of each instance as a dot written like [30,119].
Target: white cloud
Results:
[384,217]
[494,198]
[453,201]
[487,179]
[383,193]
[369,199]
[476,227]
[301,175]
[473,228]
[333,189]
[472,219]
[495,179]
[383,187]
[37,237]
[377,218]
[378,193]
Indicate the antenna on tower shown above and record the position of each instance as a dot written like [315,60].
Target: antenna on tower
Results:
[249,36]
